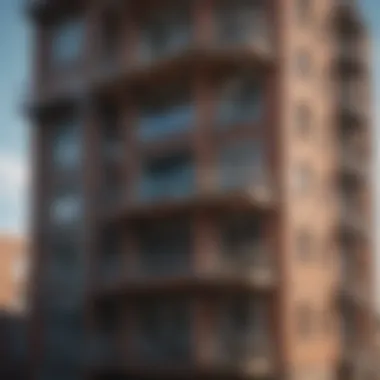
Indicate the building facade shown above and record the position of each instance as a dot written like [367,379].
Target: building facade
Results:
[13,273]
[202,195]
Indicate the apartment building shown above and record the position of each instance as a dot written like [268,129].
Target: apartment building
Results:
[202,192]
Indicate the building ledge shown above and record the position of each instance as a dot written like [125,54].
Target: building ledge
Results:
[220,371]
[258,198]
[255,280]
[119,76]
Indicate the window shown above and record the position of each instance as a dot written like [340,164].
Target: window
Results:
[66,209]
[112,34]
[241,164]
[112,154]
[112,138]
[328,322]
[67,41]
[304,10]
[166,249]
[105,342]
[303,120]
[303,63]
[65,253]
[166,115]
[304,320]
[244,327]
[164,330]
[239,316]
[111,254]
[241,22]
[241,102]
[242,240]
[303,179]
[305,246]
[67,144]
[165,33]
[64,339]
[170,176]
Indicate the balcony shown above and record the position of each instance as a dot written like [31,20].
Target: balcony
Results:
[42,10]
[55,93]
[156,126]
[255,266]
[257,196]
[104,351]
[253,271]
[353,162]
[352,218]
[350,58]
[249,354]
[237,356]
[351,112]
[172,351]
[353,287]
[347,17]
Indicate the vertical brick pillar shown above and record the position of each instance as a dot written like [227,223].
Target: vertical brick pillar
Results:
[205,239]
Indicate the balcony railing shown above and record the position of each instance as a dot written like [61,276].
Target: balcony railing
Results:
[170,122]
[251,353]
[242,24]
[174,265]
[55,90]
[103,350]
[171,351]
[353,160]
[352,217]
[254,263]
[351,52]
[353,285]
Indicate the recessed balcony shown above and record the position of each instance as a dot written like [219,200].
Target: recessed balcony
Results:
[255,266]
[351,112]
[353,287]
[257,196]
[353,162]
[188,281]
[350,59]
[352,218]
[347,16]
[249,354]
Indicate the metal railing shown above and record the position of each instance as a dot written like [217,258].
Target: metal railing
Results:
[252,352]
[103,350]
[353,160]
[255,262]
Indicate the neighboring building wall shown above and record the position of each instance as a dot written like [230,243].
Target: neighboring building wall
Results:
[13,264]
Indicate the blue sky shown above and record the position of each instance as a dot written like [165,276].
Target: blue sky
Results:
[13,128]
[14,55]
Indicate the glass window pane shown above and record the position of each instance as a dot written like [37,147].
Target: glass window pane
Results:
[67,41]
[66,209]
[241,102]
[165,249]
[241,165]
[164,330]
[240,22]
[161,122]
[67,144]
[165,33]
[168,177]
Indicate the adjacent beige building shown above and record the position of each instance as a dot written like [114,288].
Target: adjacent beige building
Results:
[13,272]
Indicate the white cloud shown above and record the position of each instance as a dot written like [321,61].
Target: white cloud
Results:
[14,180]
[13,172]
